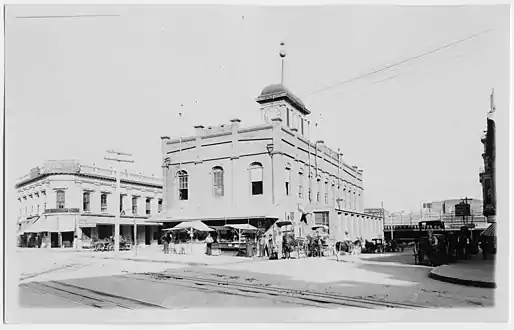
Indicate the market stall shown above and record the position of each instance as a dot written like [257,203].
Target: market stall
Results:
[234,245]
[190,227]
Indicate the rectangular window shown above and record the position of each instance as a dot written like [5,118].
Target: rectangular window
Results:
[326,192]
[318,193]
[300,186]
[60,199]
[38,209]
[288,122]
[321,218]
[121,203]
[159,206]
[86,206]
[103,202]
[148,206]
[302,126]
[134,205]
[288,182]
[257,188]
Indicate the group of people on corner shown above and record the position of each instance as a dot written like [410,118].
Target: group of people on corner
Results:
[444,248]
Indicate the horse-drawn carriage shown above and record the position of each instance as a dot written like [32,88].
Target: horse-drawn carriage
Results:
[107,244]
[376,245]
[393,246]
[431,247]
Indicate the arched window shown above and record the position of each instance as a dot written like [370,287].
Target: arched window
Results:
[218,181]
[256,178]
[86,201]
[61,199]
[300,184]
[183,185]
[333,192]
[288,180]
[326,191]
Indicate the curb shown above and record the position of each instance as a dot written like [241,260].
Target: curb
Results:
[461,281]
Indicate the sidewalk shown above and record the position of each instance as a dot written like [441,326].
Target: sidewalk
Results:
[478,273]
[155,254]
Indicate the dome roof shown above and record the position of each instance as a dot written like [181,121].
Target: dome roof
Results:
[278,91]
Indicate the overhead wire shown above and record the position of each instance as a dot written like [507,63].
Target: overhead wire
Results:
[397,64]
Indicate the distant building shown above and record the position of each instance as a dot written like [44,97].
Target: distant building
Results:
[70,204]
[438,208]
[488,172]
[441,210]
[231,174]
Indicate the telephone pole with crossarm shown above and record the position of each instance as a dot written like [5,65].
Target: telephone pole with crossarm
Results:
[117,157]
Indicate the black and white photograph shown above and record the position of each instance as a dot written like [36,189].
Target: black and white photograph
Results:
[258,162]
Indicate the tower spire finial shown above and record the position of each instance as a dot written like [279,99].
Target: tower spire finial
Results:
[493,106]
[282,56]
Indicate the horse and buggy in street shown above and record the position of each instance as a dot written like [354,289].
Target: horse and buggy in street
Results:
[107,244]
[438,245]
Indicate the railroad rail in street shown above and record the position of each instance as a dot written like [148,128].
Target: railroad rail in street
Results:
[88,297]
[303,297]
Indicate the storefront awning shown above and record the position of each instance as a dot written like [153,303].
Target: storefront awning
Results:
[26,224]
[197,225]
[490,231]
[52,225]
[243,226]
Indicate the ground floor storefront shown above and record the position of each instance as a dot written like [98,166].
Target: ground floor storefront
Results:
[79,231]
[337,223]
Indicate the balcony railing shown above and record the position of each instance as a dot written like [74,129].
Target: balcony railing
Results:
[123,175]
[66,210]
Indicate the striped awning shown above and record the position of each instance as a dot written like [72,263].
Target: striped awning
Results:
[490,231]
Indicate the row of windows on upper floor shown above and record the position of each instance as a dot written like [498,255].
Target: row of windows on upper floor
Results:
[257,186]
[86,203]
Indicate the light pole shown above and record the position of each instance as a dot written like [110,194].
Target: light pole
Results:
[270,148]
[391,217]
[118,160]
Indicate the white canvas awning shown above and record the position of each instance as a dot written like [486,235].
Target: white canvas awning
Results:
[197,225]
[43,225]
[243,226]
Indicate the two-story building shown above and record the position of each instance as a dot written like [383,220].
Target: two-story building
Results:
[68,203]
[231,174]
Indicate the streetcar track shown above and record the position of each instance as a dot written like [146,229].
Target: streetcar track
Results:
[301,295]
[89,297]
[241,292]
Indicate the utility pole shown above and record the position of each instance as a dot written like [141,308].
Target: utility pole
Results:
[117,158]
[383,218]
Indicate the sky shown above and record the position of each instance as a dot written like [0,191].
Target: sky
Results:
[76,87]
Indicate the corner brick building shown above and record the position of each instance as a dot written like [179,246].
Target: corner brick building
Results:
[232,174]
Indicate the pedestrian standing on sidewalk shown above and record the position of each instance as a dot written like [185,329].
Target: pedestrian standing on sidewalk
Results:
[262,246]
[209,242]
[166,241]
[269,246]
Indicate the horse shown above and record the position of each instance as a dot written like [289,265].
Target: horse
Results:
[370,247]
[288,245]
